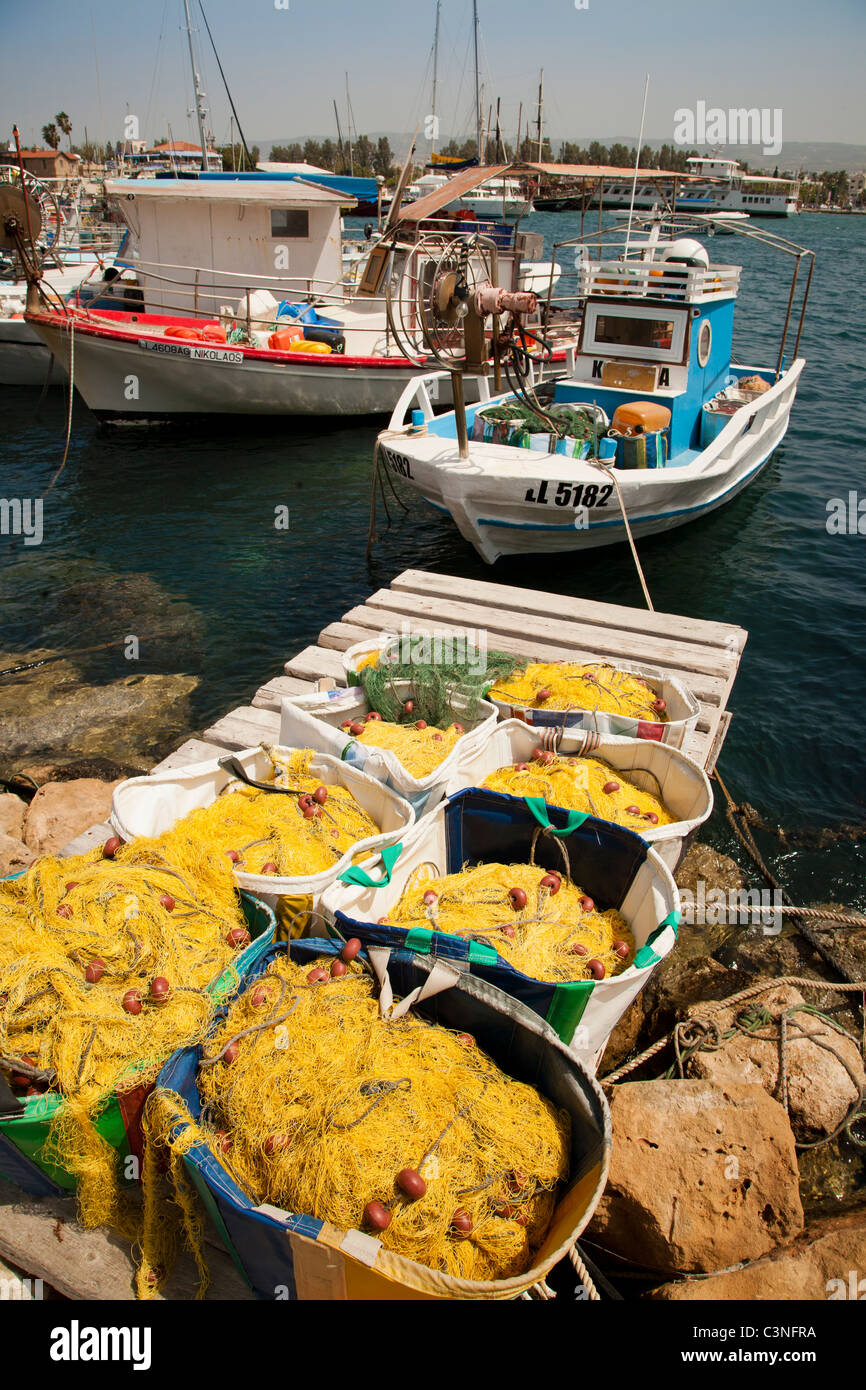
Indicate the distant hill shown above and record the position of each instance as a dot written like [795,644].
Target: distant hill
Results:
[797,155]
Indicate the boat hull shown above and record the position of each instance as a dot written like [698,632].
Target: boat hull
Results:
[24,358]
[123,377]
[507,505]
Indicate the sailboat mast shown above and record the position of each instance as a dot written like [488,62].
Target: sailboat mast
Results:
[435,75]
[349,128]
[538,122]
[478,118]
[199,107]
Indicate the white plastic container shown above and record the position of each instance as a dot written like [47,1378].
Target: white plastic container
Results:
[313,721]
[682,710]
[654,767]
[151,805]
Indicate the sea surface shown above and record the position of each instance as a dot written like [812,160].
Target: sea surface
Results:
[167,533]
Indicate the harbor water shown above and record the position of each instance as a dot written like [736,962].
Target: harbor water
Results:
[176,536]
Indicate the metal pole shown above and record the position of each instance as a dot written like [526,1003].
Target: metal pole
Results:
[435,75]
[540,110]
[803,308]
[477,83]
[195,87]
[787,317]
[460,414]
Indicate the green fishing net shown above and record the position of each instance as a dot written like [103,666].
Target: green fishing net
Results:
[441,672]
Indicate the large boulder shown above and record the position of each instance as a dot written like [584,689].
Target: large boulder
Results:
[827,1262]
[702,1176]
[14,855]
[12,813]
[825,1073]
[61,810]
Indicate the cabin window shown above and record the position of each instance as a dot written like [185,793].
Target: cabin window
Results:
[705,341]
[644,333]
[290,222]
[636,332]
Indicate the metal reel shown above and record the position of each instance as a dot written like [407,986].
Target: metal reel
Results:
[15,203]
[51,219]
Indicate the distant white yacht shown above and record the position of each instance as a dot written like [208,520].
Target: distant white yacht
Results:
[727,189]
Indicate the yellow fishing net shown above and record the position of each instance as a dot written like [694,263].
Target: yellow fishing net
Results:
[575,685]
[583,784]
[104,964]
[420,747]
[317,1105]
[542,924]
[104,961]
[291,835]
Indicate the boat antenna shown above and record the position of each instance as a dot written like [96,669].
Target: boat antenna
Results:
[636,169]
[475,27]
[435,75]
[197,92]
[226,85]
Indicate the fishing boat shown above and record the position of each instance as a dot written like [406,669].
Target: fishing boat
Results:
[227,335]
[652,426]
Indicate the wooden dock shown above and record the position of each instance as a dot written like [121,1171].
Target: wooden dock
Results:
[40,1235]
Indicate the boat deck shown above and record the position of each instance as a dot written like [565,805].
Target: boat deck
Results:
[40,1236]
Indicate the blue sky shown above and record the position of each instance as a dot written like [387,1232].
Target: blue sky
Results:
[285,66]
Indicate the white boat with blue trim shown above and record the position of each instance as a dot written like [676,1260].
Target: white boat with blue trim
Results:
[651,426]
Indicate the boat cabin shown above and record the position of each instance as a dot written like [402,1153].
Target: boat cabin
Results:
[654,330]
[196,239]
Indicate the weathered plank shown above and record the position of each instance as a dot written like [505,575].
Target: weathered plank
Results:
[41,1236]
[97,834]
[314,662]
[270,695]
[704,631]
[616,642]
[710,690]
[195,750]
[718,739]
[244,727]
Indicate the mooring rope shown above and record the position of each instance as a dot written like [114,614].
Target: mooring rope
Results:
[744,835]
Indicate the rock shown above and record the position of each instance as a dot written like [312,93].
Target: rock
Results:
[820,1089]
[827,1262]
[702,1176]
[48,717]
[676,983]
[14,855]
[61,810]
[623,1039]
[12,812]
[705,865]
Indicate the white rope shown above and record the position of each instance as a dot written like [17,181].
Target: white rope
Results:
[615,480]
[69,410]
[582,1273]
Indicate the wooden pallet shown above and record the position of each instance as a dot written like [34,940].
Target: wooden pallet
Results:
[705,655]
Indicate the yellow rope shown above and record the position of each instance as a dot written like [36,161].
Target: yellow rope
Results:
[319,1106]
[540,923]
[563,685]
[579,784]
[419,750]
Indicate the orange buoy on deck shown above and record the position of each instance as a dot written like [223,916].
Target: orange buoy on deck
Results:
[648,414]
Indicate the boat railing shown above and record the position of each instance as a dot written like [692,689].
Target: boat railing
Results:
[658,279]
